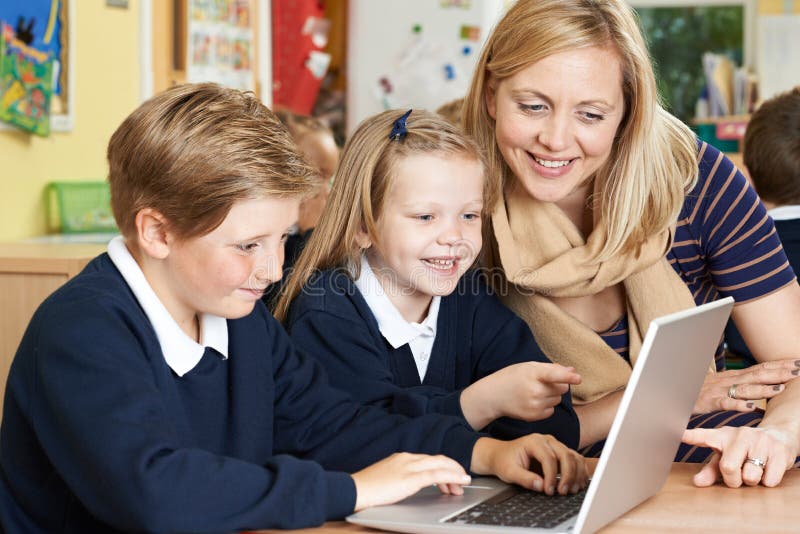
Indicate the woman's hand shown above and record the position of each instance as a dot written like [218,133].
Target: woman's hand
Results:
[744,455]
[527,391]
[762,381]
[403,474]
[513,461]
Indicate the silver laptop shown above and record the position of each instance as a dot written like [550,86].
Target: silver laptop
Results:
[635,462]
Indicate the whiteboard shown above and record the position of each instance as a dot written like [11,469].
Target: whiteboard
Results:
[414,53]
[778,54]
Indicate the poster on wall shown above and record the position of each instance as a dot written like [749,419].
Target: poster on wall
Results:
[41,25]
[414,53]
[26,84]
[220,43]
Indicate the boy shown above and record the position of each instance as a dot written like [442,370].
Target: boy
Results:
[153,392]
[771,154]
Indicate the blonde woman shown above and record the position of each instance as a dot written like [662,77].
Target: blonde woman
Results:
[613,213]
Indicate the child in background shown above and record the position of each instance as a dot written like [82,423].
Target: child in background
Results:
[153,392]
[452,111]
[382,295]
[771,154]
[316,142]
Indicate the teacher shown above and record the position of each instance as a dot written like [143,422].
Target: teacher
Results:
[614,213]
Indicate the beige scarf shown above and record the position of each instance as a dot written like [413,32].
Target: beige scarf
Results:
[543,254]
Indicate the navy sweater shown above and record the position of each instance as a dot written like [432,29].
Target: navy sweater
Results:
[99,435]
[476,335]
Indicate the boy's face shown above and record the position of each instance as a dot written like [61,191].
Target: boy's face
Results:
[226,271]
[429,229]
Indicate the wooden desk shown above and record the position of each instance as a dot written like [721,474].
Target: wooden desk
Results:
[29,272]
[682,508]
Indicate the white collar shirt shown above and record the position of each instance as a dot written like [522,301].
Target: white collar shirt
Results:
[785,213]
[393,327]
[181,352]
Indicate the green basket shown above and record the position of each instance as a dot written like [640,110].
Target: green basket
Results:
[708,132]
[79,207]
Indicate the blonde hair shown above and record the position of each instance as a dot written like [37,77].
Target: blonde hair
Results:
[653,162]
[452,111]
[194,150]
[359,191]
[299,125]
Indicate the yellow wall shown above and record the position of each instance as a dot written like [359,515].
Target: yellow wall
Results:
[106,86]
[778,7]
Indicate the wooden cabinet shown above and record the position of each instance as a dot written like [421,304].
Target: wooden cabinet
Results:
[28,274]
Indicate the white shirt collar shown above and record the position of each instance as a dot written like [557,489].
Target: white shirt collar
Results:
[784,213]
[181,352]
[391,323]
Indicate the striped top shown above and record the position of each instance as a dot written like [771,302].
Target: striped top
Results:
[725,243]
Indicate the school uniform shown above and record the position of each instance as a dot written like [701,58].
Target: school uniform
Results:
[116,420]
[369,350]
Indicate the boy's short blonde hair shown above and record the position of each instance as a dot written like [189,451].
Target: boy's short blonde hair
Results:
[194,150]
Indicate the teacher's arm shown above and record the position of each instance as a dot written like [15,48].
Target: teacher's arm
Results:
[769,326]
[596,417]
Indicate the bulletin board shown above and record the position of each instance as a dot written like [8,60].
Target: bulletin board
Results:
[413,54]
[299,62]
[40,29]
[778,53]
[221,43]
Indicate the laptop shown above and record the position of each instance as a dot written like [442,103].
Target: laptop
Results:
[636,458]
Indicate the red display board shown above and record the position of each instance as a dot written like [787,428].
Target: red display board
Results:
[297,42]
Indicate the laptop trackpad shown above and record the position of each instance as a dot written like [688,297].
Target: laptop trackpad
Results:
[431,504]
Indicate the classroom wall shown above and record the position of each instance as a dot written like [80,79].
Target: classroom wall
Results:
[106,88]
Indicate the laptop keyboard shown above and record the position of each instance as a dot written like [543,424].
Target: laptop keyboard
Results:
[519,508]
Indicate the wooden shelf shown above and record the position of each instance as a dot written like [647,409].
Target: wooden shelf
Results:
[29,273]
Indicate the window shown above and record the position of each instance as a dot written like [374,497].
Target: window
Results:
[678,33]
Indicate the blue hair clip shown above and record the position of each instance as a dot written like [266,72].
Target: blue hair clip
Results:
[399,130]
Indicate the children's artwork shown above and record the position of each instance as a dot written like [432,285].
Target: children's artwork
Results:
[220,43]
[26,84]
[39,24]
[424,73]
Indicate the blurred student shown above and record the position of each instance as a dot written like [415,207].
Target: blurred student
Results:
[315,140]
[452,111]
[154,393]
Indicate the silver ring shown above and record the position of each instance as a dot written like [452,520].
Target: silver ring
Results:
[732,391]
[758,462]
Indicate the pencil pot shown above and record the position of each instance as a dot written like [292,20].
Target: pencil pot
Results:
[79,207]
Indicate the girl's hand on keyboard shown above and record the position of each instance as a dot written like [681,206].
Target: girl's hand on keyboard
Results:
[519,460]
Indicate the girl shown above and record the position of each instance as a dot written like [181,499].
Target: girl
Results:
[383,296]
